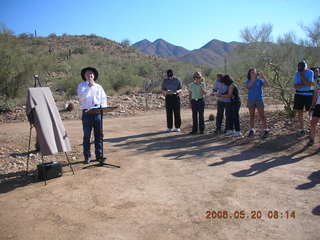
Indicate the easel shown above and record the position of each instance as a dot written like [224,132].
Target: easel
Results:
[100,111]
[36,80]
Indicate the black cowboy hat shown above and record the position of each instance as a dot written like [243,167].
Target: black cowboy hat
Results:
[95,72]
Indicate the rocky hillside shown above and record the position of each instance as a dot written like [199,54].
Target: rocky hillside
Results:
[58,61]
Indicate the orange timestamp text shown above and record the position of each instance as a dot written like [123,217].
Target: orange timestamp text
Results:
[250,214]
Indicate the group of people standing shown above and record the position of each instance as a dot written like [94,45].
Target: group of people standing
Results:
[307,97]
[228,102]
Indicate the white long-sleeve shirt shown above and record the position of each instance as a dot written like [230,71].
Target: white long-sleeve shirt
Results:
[91,96]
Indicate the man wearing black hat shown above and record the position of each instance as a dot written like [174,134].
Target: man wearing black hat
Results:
[304,85]
[91,95]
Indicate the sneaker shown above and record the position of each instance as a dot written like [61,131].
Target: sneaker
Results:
[265,134]
[229,133]
[169,130]
[177,130]
[87,160]
[192,132]
[251,133]
[237,134]
[201,132]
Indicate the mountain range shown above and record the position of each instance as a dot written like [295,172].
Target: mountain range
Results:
[212,54]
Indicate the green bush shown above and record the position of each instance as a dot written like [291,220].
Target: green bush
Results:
[80,50]
[7,107]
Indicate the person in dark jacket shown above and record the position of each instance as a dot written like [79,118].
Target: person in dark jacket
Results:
[171,88]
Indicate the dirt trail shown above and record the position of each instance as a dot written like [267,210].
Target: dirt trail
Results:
[165,186]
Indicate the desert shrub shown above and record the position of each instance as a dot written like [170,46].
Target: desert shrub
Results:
[52,35]
[99,42]
[7,106]
[80,50]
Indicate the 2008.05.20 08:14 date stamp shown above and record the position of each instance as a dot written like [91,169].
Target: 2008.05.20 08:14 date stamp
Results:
[251,214]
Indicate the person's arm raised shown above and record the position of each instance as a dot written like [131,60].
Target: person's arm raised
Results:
[265,81]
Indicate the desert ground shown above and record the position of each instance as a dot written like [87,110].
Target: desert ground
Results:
[169,186]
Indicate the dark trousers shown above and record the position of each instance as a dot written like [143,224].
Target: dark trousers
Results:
[197,113]
[222,108]
[233,117]
[90,121]
[173,107]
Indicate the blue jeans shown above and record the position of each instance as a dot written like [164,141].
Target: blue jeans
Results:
[90,121]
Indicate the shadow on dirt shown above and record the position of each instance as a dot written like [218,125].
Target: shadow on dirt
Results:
[11,181]
[265,165]
[316,211]
[199,145]
[314,180]
[271,145]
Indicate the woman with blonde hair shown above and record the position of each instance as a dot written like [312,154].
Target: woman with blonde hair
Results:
[197,91]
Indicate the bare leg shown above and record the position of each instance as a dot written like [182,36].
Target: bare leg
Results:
[252,112]
[314,123]
[299,114]
[262,117]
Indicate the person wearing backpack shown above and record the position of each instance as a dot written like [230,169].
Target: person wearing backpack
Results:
[304,85]
[233,117]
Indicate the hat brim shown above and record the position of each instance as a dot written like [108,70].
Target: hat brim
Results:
[95,72]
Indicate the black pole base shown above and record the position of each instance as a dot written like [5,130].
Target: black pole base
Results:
[103,163]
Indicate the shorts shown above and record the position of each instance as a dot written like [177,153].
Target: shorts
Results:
[302,101]
[316,111]
[255,104]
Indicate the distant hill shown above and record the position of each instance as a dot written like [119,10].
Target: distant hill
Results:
[212,54]
[160,48]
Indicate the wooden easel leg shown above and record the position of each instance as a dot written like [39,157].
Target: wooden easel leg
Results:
[69,162]
[44,171]
[28,151]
